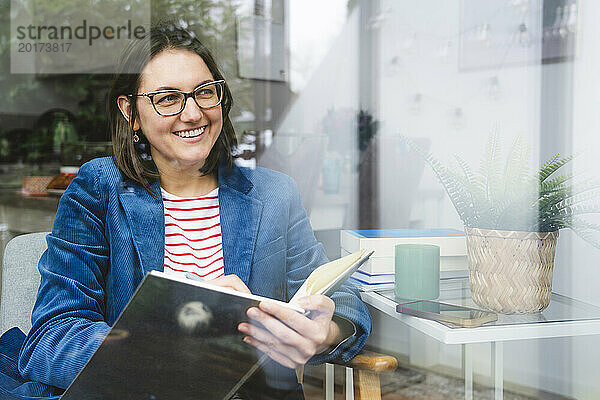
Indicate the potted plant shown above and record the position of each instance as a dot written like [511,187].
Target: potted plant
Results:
[512,218]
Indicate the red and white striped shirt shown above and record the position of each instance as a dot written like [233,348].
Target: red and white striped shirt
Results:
[193,235]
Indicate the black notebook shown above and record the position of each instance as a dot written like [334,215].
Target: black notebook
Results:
[176,339]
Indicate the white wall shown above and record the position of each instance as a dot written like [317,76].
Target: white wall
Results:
[416,59]
[420,45]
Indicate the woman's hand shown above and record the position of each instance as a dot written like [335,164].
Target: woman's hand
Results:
[230,281]
[289,337]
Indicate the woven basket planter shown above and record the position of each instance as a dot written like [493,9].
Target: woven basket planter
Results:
[510,272]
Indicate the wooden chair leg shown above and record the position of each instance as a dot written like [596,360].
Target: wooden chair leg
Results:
[367,367]
[366,385]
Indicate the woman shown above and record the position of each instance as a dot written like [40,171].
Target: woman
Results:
[172,139]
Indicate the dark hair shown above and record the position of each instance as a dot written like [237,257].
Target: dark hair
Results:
[132,158]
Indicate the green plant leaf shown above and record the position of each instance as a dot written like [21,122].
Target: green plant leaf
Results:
[516,169]
[491,165]
[553,164]
[555,184]
[563,196]
[459,196]
[475,190]
[506,196]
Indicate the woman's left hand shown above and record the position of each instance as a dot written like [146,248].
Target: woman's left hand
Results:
[289,337]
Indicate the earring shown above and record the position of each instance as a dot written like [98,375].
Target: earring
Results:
[136,138]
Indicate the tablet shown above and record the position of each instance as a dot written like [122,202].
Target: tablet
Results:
[443,312]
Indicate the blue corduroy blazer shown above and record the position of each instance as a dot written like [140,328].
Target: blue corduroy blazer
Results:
[109,232]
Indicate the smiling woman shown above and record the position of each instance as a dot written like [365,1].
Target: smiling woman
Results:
[181,133]
[172,199]
[171,62]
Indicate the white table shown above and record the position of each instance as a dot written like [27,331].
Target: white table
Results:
[564,317]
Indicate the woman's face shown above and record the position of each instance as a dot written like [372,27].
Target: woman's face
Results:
[184,140]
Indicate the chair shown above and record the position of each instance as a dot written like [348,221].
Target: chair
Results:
[20,280]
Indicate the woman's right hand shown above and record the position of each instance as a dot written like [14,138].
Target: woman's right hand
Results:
[230,281]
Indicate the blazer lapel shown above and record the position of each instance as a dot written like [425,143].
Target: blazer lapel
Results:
[240,217]
[146,219]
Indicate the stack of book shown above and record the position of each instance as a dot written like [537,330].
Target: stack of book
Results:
[378,272]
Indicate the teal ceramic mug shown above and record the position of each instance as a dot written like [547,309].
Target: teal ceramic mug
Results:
[417,271]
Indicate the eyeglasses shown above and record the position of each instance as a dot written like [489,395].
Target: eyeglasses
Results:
[172,102]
